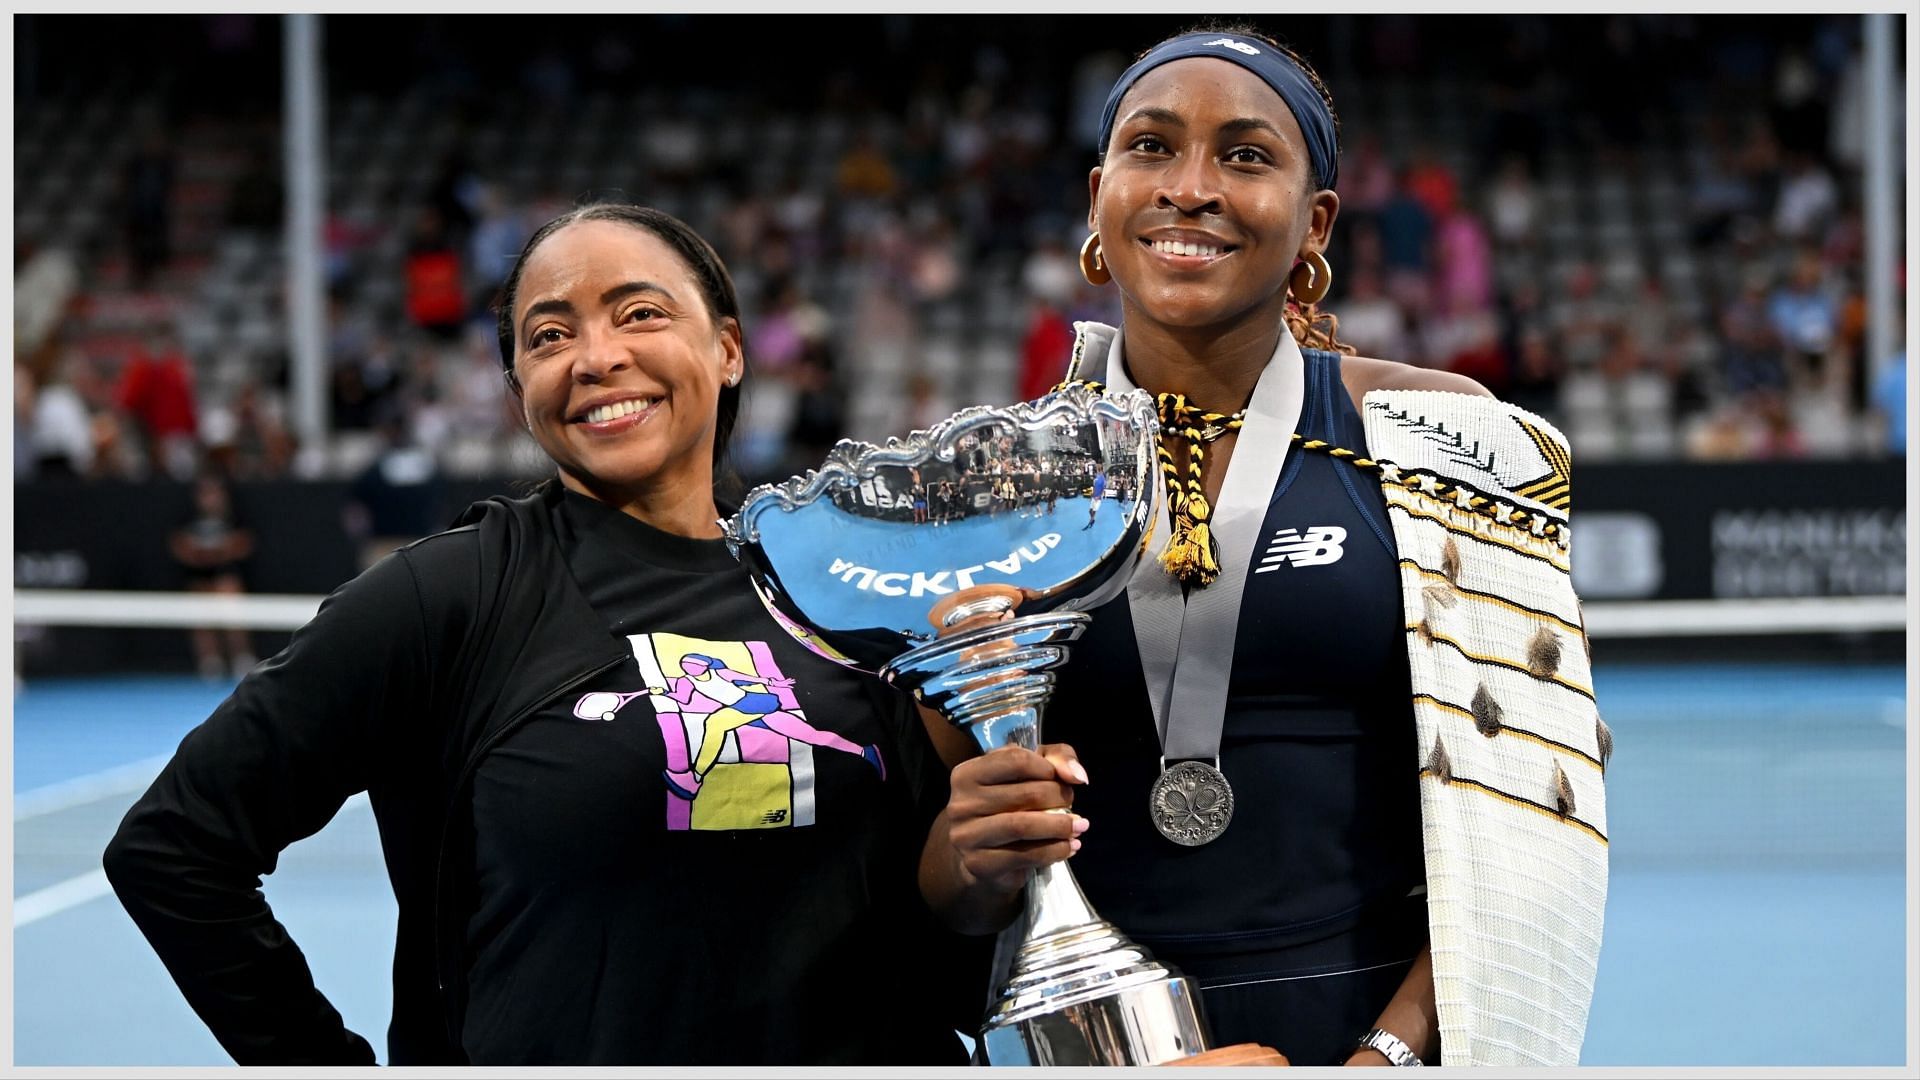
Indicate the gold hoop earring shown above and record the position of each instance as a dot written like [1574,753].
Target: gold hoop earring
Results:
[1091,266]
[1319,279]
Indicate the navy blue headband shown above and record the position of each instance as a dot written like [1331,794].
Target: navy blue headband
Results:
[1274,68]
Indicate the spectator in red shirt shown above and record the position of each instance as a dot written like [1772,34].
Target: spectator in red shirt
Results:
[1044,349]
[1429,180]
[156,390]
[436,297]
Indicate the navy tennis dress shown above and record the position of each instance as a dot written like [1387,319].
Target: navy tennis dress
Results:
[1302,919]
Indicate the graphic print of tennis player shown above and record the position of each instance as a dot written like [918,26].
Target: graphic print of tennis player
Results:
[746,699]
[768,755]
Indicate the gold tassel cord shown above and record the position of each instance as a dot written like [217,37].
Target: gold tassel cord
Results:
[1192,554]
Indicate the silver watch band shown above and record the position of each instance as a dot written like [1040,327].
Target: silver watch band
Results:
[1390,1045]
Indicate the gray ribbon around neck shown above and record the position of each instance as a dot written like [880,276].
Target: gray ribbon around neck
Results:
[1186,644]
[1196,637]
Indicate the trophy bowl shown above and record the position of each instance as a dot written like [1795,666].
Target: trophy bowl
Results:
[959,563]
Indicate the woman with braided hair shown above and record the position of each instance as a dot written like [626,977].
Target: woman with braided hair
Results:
[1344,756]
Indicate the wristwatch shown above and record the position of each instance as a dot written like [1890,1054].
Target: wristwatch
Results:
[1390,1045]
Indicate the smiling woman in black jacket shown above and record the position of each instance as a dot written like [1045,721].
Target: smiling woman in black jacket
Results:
[584,875]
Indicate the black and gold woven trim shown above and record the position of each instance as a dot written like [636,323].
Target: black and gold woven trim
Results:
[1432,484]
[1199,427]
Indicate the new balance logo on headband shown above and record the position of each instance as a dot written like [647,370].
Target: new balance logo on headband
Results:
[1236,46]
[1319,545]
[1273,67]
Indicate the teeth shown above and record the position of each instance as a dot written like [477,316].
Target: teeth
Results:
[1176,247]
[616,410]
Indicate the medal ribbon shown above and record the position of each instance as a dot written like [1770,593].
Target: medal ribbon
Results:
[1186,642]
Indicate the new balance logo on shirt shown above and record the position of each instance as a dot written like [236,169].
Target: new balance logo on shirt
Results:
[1317,546]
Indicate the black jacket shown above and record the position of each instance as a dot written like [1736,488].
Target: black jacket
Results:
[397,687]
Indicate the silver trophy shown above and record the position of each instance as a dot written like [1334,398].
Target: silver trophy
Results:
[958,563]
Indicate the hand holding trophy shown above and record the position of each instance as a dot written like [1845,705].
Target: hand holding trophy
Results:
[959,563]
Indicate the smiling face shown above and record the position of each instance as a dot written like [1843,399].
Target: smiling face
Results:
[620,363]
[1205,197]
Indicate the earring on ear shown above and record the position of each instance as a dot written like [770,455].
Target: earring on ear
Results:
[1319,279]
[1092,267]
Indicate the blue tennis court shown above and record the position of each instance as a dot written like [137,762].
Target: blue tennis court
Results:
[1758,874]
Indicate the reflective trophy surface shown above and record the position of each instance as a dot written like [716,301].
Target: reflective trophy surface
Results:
[959,563]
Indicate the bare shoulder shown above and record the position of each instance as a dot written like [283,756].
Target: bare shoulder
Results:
[1364,373]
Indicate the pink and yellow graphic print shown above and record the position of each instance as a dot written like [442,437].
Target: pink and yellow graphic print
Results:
[739,747]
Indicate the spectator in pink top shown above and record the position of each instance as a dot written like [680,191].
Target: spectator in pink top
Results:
[1465,263]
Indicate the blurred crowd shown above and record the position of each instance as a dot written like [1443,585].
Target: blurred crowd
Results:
[1646,228]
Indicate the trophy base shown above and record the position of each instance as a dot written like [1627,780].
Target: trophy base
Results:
[1141,1025]
[1087,995]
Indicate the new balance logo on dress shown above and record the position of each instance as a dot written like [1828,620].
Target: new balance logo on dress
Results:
[1317,546]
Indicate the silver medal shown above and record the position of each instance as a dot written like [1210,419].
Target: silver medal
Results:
[1191,803]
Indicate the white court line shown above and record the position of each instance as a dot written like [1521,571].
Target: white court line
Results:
[54,899]
[65,795]
[82,790]
[93,884]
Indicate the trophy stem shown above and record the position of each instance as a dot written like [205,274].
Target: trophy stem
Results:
[1079,992]
[994,680]
[1055,903]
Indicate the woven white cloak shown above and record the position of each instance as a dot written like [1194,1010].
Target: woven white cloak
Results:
[1511,748]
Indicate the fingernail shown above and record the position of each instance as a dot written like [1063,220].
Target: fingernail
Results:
[1073,846]
[1077,771]
[1080,825]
